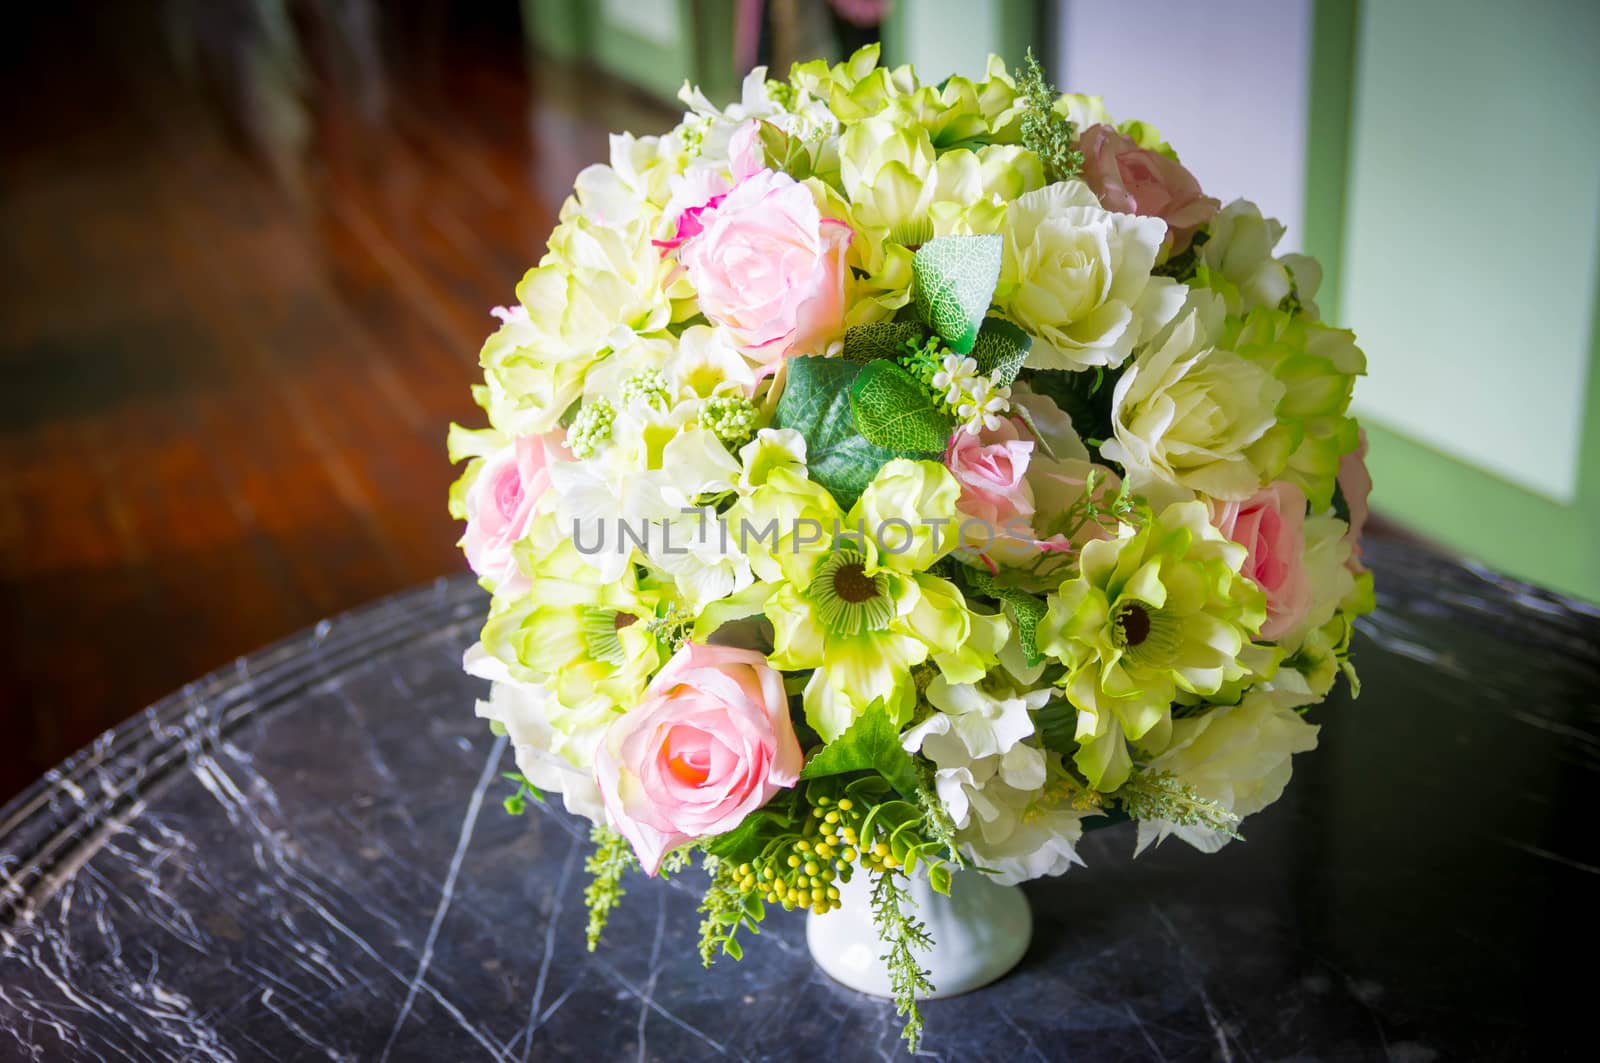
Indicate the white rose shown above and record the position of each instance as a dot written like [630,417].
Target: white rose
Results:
[1236,755]
[1077,277]
[1188,417]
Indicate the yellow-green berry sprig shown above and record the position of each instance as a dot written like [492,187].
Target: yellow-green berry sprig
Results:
[731,417]
[648,387]
[1046,132]
[611,859]
[781,93]
[902,933]
[591,428]
[925,360]
[728,907]
[1163,796]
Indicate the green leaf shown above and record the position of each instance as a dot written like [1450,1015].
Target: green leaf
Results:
[871,743]
[1000,350]
[1057,726]
[952,280]
[1025,610]
[784,152]
[880,339]
[893,409]
[745,842]
[939,878]
[732,947]
[816,403]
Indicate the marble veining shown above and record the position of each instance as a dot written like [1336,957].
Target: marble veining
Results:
[303,856]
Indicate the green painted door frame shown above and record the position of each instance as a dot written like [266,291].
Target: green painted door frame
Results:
[1452,501]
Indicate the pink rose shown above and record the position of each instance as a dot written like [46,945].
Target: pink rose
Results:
[1129,179]
[1355,482]
[771,269]
[699,192]
[990,467]
[1270,525]
[710,744]
[1006,488]
[501,505]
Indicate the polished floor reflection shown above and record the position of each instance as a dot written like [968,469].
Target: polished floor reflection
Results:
[249,251]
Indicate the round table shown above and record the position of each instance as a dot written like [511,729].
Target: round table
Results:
[303,856]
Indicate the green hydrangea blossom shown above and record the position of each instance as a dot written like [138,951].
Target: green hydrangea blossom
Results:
[1318,366]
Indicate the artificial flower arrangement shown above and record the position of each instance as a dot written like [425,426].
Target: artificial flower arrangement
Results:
[884,478]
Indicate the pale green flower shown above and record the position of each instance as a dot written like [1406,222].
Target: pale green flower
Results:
[595,279]
[1318,366]
[962,112]
[1078,278]
[904,190]
[527,386]
[472,446]
[857,604]
[772,448]
[575,631]
[1237,756]
[1237,262]
[856,88]
[1082,110]
[1188,416]
[1161,610]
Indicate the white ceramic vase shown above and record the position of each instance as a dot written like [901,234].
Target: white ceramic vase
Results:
[980,932]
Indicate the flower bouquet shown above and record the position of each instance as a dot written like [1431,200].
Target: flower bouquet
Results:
[885,479]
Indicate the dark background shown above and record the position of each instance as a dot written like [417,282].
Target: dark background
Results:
[243,299]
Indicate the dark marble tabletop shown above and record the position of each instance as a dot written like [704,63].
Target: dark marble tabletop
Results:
[304,857]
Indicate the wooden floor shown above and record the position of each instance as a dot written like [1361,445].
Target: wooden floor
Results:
[240,306]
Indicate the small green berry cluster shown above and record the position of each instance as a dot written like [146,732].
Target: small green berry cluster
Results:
[803,872]
[694,137]
[731,417]
[648,387]
[591,428]
[925,360]
[781,93]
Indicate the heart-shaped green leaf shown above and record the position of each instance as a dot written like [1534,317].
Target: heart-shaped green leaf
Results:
[1000,350]
[893,409]
[880,339]
[952,281]
[816,403]
[1026,610]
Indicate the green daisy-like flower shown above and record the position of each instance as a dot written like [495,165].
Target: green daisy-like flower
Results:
[588,638]
[857,604]
[1159,611]
[846,598]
